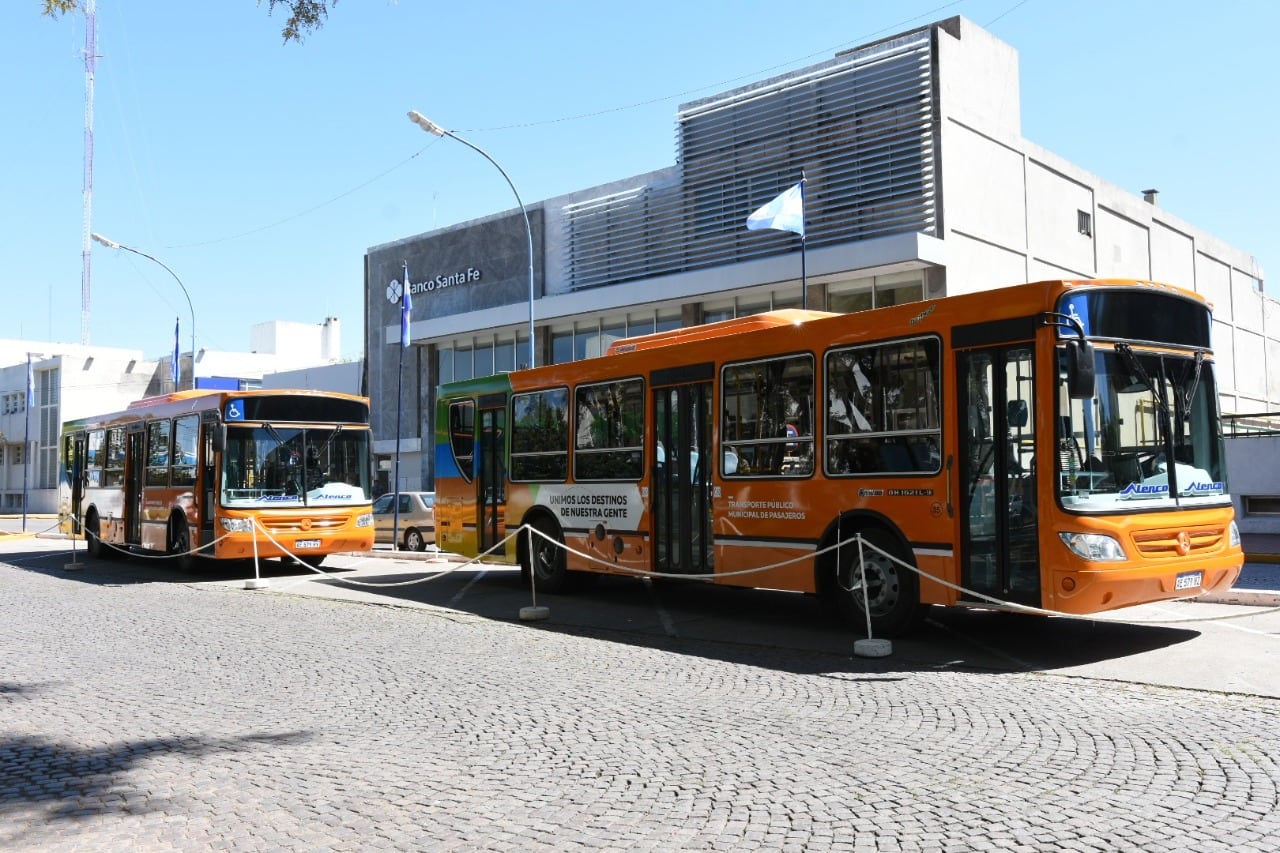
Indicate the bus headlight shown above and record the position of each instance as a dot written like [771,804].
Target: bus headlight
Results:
[364,520]
[1235,535]
[237,525]
[1094,547]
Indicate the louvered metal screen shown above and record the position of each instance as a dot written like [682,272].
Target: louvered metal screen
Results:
[861,127]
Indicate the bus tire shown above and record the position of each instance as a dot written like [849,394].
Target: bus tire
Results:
[179,544]
[97,549]
[413,540]
[545,560]
[893,592]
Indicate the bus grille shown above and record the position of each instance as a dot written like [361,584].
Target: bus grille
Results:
[301,523]
[1165,543]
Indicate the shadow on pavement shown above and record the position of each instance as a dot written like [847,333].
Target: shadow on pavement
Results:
[782,630]
[139,568]
[46,781]
[776,629]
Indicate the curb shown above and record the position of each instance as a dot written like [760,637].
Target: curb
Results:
[1246,597]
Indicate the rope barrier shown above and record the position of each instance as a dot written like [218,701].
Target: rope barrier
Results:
[863,543]
[317,570]
[856,539]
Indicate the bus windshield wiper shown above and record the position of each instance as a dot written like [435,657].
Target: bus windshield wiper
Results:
[1134,366]
[1195,382]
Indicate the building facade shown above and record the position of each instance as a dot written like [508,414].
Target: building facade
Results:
[919,185]
[71,381]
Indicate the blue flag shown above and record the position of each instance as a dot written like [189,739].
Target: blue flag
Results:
[784,213]
[173,362]
[31,385]
[406,308]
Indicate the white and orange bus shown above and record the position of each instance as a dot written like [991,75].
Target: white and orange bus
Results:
[1056,445]
[226,475]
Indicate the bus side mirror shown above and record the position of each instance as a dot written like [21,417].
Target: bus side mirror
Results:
[1081,382]
[219,437]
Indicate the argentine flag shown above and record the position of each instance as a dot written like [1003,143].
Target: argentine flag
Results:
[784,213]
[406,309]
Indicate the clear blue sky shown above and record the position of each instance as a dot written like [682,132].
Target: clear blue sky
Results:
[261,172]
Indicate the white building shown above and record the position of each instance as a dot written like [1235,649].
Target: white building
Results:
[71,381]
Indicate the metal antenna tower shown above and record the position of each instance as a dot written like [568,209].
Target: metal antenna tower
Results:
[86,250]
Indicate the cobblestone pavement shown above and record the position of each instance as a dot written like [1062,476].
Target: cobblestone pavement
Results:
[170,716]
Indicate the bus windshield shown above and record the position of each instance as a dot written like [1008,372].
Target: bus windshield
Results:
[284,466]
[1150,436]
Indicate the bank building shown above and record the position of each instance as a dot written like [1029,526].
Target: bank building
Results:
[919,184]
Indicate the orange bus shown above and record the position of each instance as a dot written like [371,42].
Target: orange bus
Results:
[1056,445]
[225,475]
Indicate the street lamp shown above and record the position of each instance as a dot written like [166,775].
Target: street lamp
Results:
[111,244]
[431,127]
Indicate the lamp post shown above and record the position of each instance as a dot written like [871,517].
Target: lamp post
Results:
[431,127]
[111,244]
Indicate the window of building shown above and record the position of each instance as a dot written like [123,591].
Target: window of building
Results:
[483,355]
[540,435]
[1084,223]
[878,291]
[882,408]
[609,431]
[1261,505]
[47,385]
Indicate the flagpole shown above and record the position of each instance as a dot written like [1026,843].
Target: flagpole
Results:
[804,276]
[26,442]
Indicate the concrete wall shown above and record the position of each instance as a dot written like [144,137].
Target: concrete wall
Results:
[1253,466]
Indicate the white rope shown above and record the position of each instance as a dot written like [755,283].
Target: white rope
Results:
[430,577]
[166,556]
[858,538]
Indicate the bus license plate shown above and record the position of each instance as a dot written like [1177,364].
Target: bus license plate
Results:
[1188,580]
[315,543]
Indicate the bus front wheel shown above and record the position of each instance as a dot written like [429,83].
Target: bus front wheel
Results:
[893,591]
[97,549]
[180,544]
[545,557]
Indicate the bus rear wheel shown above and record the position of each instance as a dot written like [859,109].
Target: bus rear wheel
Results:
[545,557]
[893,591]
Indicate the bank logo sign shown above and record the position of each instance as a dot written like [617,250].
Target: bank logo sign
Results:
[442,281]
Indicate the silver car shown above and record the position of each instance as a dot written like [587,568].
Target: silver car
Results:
[417,519]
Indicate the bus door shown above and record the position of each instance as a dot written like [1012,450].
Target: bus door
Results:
[135,467]
[681,491]
[490,475]
[75,454]
[208,470]
[997,479]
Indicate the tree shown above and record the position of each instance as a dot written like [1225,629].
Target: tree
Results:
[305,16]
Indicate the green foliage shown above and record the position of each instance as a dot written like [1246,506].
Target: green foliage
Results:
[305,16]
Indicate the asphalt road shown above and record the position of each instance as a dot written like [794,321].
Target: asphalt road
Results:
[149,709]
